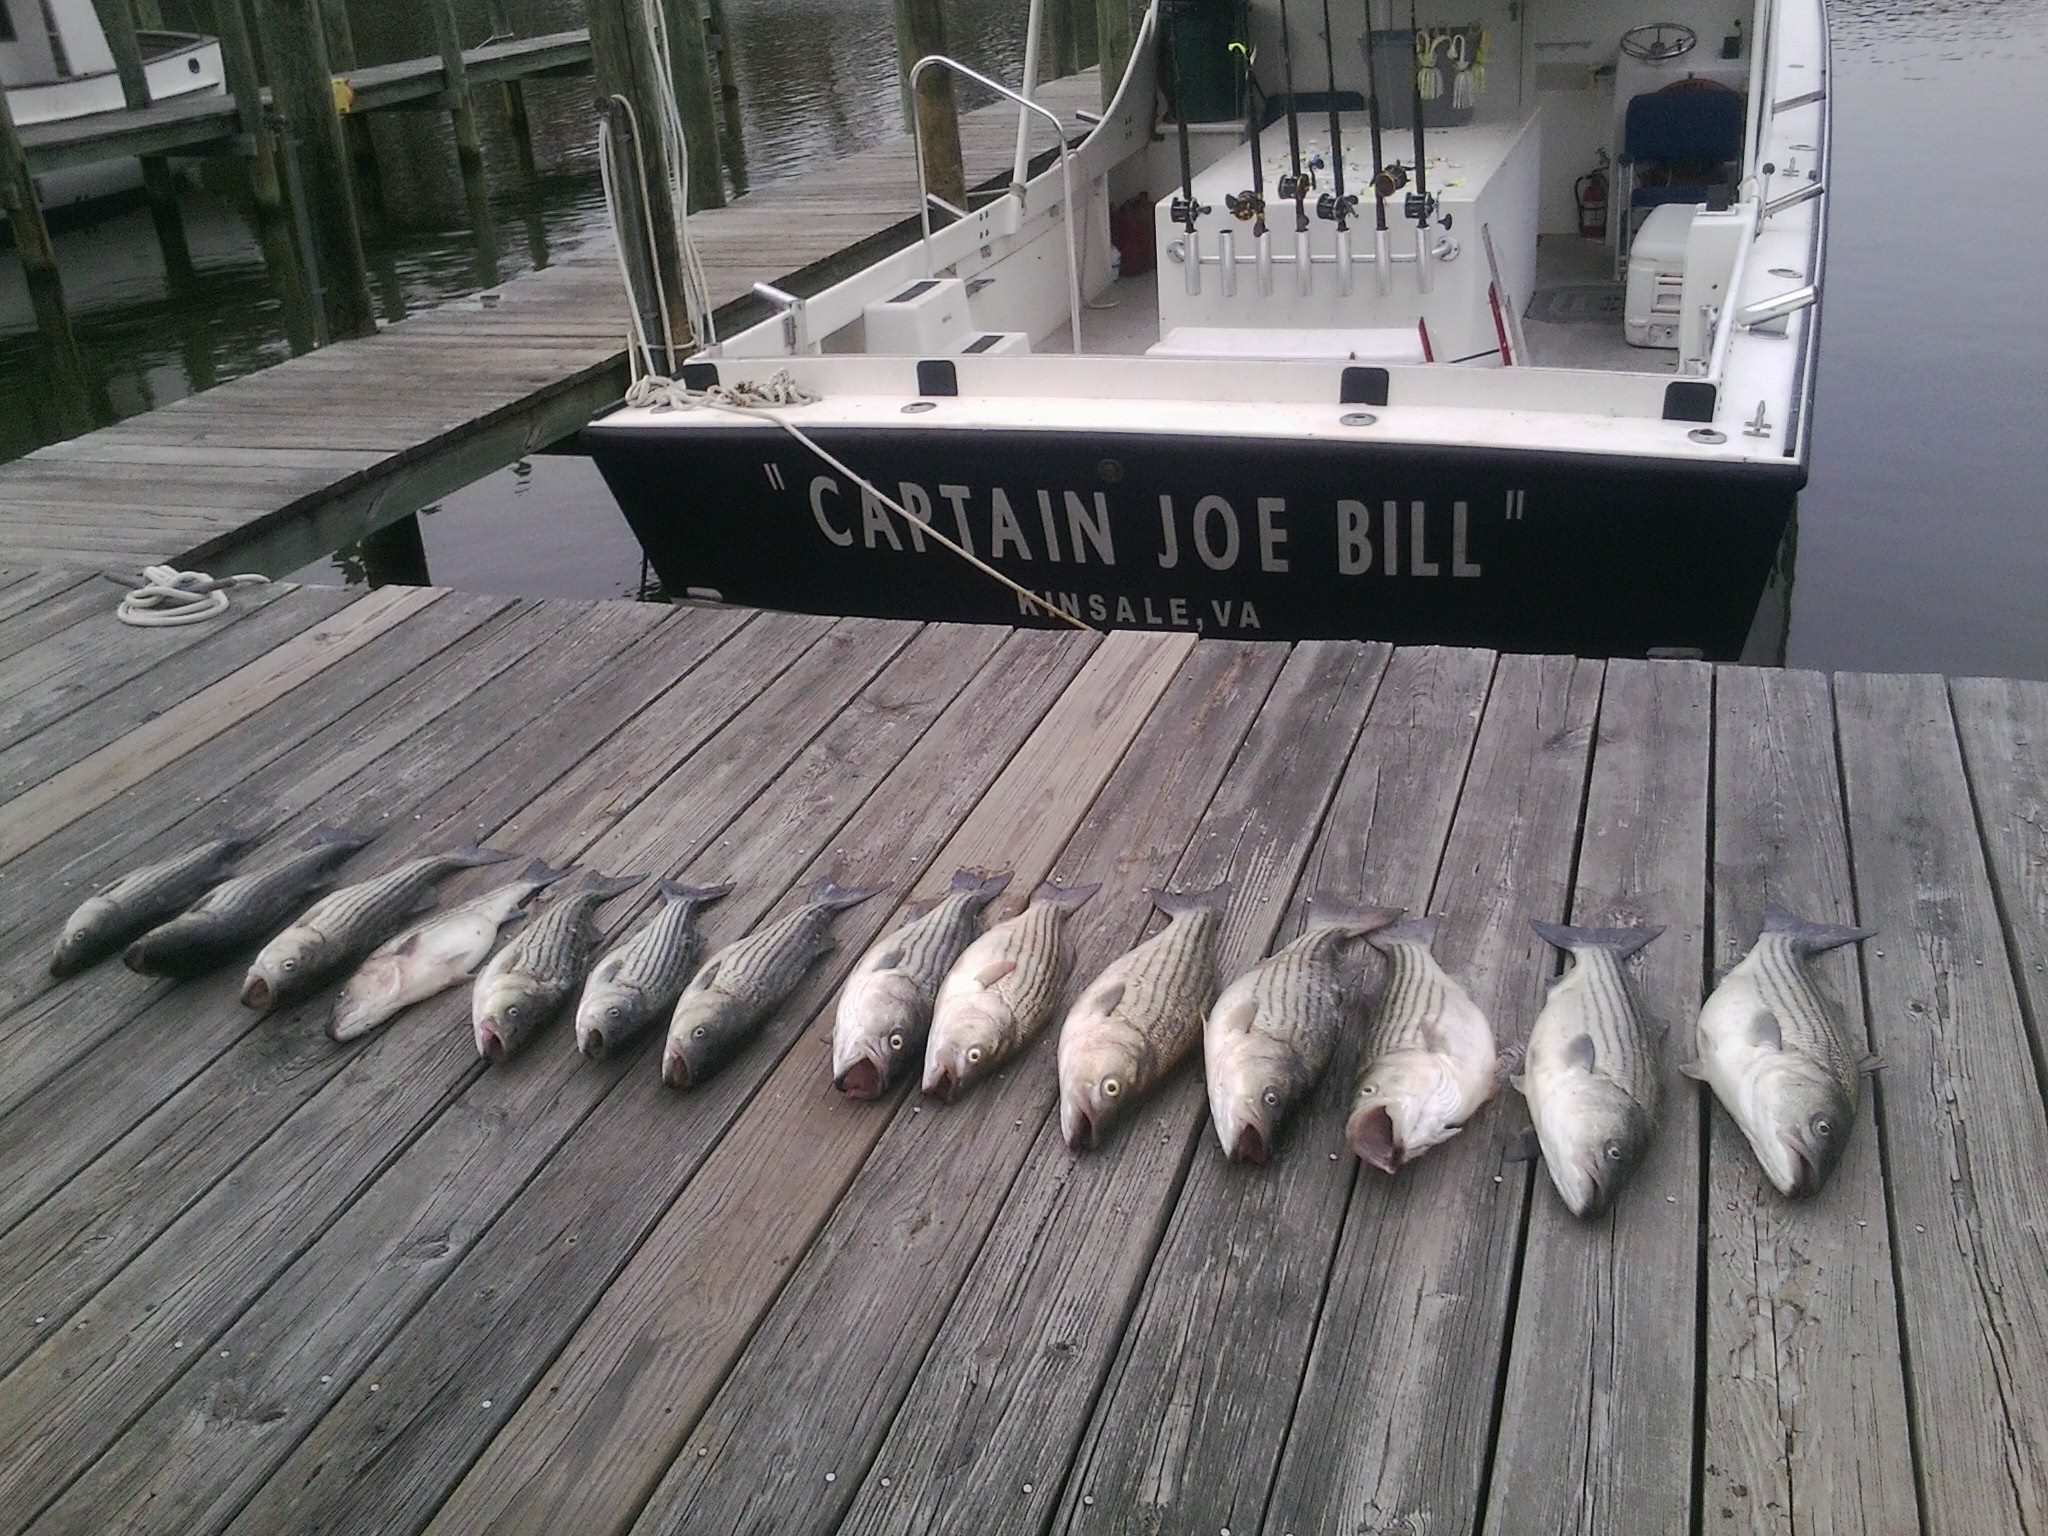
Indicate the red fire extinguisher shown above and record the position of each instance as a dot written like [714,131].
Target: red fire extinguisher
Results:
[1590,193]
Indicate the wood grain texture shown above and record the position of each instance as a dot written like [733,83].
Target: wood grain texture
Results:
[1596,1426]
[1805,1407]
[502,1317]
[1394,1414]
[1005,1390]
[1188,1428]
[1959,1108]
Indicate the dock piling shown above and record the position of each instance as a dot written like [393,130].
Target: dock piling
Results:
[304,92]
[514,94]
[1116,32]
[118,22]
[266,187]
[731,142]
[45,287]
[920,31]
[396,554]
[469,152]
[355,130]
[690,66]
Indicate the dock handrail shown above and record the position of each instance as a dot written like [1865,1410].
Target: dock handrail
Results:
[924,198]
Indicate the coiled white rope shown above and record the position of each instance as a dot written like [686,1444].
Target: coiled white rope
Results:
[169,596]
[755,400]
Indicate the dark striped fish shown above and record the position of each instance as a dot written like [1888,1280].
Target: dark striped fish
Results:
[240,912]
[141,899]
[530,980]
[345,926]
[1137,1019]
[644,976]
[1272,1032]
[1001,991]
[1589,1070]
[885,1011]
[1430,1062]
[1778,1057]
[740,985]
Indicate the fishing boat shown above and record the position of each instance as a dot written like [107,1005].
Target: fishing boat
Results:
[1472,321]
[55,66]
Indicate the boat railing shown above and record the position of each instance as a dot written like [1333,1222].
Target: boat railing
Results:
[1025,105]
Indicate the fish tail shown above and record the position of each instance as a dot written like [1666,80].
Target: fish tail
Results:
[1354,917]
[695,895]
[1623,941]
[241,837]
[471,856]
[828,892]
[1175,903]
[1067,896]
[605,887]
[1417,930]
[540,874]
[1814,938]
[329,836]
[982,884]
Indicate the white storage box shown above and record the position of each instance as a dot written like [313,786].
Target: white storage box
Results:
[1656,277]
[927,318]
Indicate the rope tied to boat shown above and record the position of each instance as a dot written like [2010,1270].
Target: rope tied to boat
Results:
[760,402]
[168,596]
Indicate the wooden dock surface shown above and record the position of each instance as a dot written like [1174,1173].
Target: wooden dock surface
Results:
[273,470]
[254,1282]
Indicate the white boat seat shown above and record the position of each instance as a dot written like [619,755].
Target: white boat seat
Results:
[1284,344]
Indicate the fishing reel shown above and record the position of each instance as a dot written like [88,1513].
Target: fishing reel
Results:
[1245,206]
[1417,207]
[1299,188]
[1334,208]
[1184,211]
[1390,180]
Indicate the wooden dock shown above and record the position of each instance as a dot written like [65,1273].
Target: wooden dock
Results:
[254,1282]
[273,470]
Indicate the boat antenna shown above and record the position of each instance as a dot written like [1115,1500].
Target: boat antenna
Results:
[1418,207]
[1250,205]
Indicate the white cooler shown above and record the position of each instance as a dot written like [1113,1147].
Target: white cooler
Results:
[1656,276]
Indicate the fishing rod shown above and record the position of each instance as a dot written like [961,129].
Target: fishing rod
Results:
[1252,205]
[1418,206]
[1386,180]
[1297,185]
[1334,204]
[1185,210]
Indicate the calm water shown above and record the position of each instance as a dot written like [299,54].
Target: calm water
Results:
[1921,540]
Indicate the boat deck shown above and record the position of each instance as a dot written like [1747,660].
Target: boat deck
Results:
[251,1281]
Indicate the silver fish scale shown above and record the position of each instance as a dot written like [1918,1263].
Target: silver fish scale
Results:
[171,878]
[1300,993]
[763,966]
[1173,980]
[1614,1022]
[1805,1022]
[1034,986]
[380,901]
[559,940]
[925,950]
[657,957]
[264,887]
[1414,996]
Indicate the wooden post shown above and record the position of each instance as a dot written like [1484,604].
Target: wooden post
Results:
[921,30]
[118,22]
[303,90]
[1083,12]
[1116,30]
[266,188]
[469,150]
[691,67]
[732,142]
[622,62]
[396,554]
[355,130]
[1061,44]
[515,95]
[45,287]
[149,15]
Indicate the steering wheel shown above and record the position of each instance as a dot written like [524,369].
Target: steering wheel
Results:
[1660,40]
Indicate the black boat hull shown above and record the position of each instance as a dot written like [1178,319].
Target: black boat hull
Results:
[1228,537]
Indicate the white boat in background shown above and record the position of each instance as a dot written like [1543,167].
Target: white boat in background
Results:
[55,66]
[1478,321]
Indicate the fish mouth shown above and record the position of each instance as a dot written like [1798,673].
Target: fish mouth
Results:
[593,1045]
[256,994]
[136,958]
[943,1085]
[1371,1136]
[1806,1172]
[862,1080]
[1081,1131]
[1251,1147]
[490,1044]
[675,1071]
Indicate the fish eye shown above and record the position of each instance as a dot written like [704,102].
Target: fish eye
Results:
[896,1041]
[698,1031]
[613,1012]
[291,965]
[1823,1127]
[1271,1097]
[1367,1089]
[1613,1150]
[1111,1087]
[511,1011]
[974,1053]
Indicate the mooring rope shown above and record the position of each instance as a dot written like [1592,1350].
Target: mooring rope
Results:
[169,596]
[758,402]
